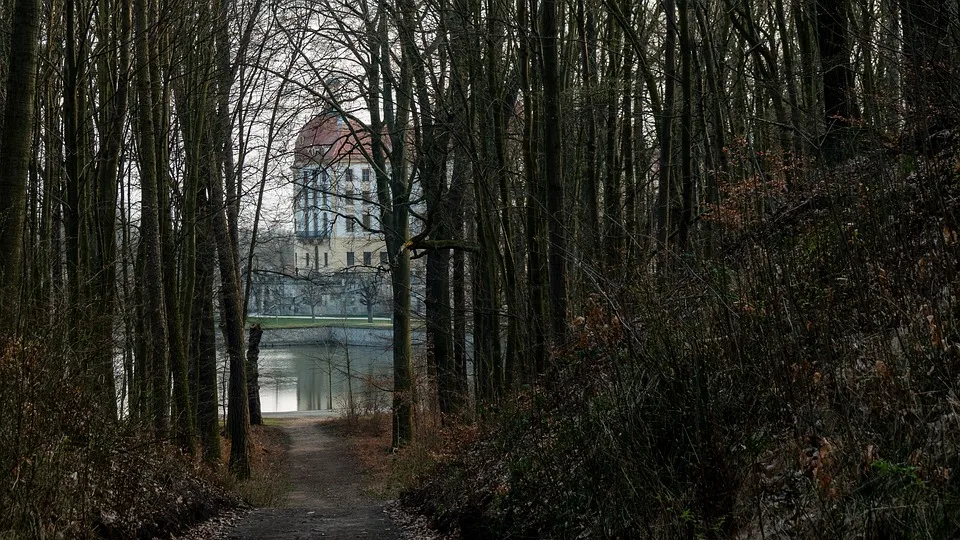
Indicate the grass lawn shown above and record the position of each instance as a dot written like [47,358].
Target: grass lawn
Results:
[298,322]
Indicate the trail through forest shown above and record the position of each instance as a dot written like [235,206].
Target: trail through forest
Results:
[326,499]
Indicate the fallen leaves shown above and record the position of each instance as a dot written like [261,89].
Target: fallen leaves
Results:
[817,460]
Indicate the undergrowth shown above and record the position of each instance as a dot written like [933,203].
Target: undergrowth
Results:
[802,381]
[66,470]
[269,482]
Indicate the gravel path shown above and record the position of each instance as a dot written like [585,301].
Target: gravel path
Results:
[326,500]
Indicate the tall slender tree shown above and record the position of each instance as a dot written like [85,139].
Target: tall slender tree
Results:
[15,142]
[557,244]
[839,102]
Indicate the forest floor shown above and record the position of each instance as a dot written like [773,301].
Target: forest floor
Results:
[329,493]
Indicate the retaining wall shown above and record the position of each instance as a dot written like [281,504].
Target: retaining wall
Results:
[370,337]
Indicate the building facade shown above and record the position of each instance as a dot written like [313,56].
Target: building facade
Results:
[336,218]
[340,265]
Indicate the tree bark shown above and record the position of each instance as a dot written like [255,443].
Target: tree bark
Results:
[457,392]
[557,249]
[613,185]
[182,412]
[666,216]
[930,83]
[204,339]
[253,374]
[156,343]
[533,181]
[394,196]
[18,117]
[589,183]
[839,104]
[238,414]
[686,129]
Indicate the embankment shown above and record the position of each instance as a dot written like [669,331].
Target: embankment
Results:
[369,337]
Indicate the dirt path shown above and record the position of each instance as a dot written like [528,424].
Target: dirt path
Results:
[326,500]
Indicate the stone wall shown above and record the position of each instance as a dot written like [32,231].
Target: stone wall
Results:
[370,337]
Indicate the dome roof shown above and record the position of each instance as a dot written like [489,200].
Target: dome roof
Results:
[328,138]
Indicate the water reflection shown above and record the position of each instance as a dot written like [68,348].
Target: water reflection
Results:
[324,377]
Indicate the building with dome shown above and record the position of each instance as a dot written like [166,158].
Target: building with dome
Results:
[340,256]
[336,219]
[339,259]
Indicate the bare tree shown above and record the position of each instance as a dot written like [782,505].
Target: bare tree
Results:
[18,115]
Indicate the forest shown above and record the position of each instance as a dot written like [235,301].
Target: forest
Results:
[691,266]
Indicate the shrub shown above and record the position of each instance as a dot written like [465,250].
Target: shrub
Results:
[800,382]
[70,471]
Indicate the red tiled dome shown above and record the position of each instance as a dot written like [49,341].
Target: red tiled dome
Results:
[326,139]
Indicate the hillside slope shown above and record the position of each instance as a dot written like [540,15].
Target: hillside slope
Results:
[801,382]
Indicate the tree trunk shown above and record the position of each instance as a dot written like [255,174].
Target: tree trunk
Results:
[589,201]
[686,129]
[806,47]
[103,251]
[536,275]
[552,169]
[612,185]
[930,83]
[154,313]
[666,217]
[238,415]
[253,374]
[431,164]
[790,80]
[77,185]
[839,103]
[15,148]
[455,389]
[514,364]
[403,398]
[204,339]
[182,411]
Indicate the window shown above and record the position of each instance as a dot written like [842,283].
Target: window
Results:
[366,220]
[384,258]
[366,196]
[326,258]
[348,174]
[366,174]
[316,256]
[350,259]
[307,255]
[322,187]
[351,224]
[367,258]
[326,225]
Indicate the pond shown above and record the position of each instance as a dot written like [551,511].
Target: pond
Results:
[325,377]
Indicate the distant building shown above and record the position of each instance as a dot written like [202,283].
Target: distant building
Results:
[336,262]
[336,218]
